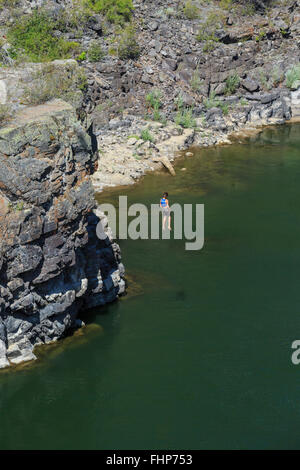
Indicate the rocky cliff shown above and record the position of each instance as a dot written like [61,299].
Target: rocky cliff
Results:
[52,265]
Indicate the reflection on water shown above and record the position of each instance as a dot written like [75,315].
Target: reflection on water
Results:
[197,355]
[46,353]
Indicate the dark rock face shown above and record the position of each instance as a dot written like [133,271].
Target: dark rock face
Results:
[51,262]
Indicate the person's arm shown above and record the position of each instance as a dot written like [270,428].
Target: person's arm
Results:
[167,201]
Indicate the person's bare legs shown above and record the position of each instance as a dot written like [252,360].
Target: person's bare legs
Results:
[164,221]
[169,222]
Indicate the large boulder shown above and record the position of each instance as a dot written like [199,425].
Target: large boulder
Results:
[250,85]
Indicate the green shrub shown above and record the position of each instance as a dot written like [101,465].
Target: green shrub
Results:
[207,31]
[104,107]
[196,81]
[277,76]
[179,102]
[232,84]
[170,12]
[211,101]
[243,102]
[112,51]
[8,3]
[32,36]
[146,135]
[51,82]
[210,45]
[74,19]
[116,11]
[224,107]
[128,47]
[19,206]
[81,57]
[153,99]
[205,34]
[185,118]
[263,78]
[292,75]
[226,4]
[284,33]
[261,35]
[190,10]
[157,116]
[270,79]
[95,52]
[248,9]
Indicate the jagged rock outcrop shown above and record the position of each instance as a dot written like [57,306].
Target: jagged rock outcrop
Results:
[52,264]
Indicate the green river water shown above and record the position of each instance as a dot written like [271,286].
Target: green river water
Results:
[198,354]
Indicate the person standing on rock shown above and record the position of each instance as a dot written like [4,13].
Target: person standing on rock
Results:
[164,205]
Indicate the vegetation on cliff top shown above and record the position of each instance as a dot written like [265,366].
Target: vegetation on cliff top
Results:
[128,47]
[37,37]
[95,52]
[51,81]
[116,11]
[33,36]
[293,76]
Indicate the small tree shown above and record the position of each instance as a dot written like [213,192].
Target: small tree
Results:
[128,47]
